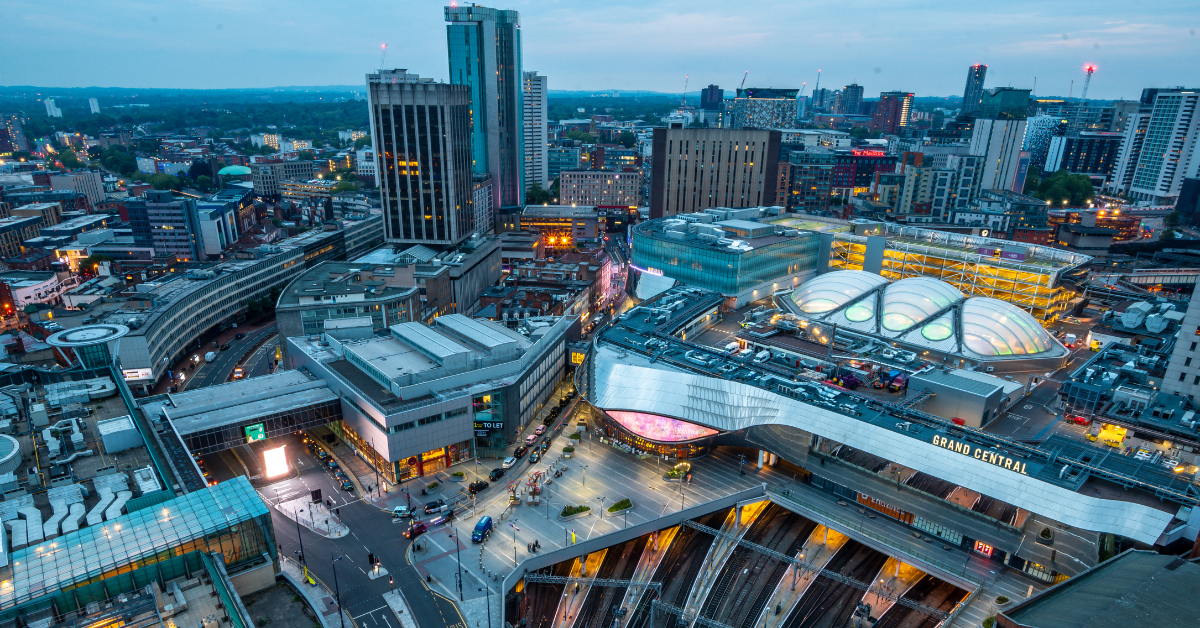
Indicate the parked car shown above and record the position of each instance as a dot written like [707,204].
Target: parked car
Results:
[437,505]
[415,530]
[482,530]
[508,463]
[496,474]
[519,451]
[333,464]
[475,487]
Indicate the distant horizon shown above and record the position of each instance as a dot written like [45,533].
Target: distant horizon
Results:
[345,89]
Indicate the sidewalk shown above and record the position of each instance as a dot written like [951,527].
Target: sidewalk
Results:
[313,515]
[318,596]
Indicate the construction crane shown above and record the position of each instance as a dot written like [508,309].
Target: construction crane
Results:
[683,100]
[382,55]
[1090,69]
[744,80]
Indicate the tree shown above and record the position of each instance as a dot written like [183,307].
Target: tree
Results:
[1064,188]
[1032,177]
[199,169]
[581,136]
[1169,234]
[307,154]
[165,182]
[345,186]
[627,139]
[1173,218]
[204,181]
[537,195]
[69,159]
[362,142]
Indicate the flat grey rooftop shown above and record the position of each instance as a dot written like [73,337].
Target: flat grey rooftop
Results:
[244,400]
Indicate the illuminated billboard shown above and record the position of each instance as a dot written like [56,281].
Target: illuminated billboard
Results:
[255,432]
[660,428]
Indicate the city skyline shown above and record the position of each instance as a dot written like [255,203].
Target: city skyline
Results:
[148,46]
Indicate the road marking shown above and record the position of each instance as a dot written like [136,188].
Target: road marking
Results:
[371,611]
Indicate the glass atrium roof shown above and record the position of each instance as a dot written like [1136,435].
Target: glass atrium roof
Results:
[910,301]
[833,290]
[993,327]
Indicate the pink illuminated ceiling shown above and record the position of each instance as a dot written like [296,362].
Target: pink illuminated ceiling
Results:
[660,428]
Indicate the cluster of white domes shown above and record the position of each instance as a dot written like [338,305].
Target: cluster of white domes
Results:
[925,306]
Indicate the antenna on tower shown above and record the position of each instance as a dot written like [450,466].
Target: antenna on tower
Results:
[382,55]
[683,100]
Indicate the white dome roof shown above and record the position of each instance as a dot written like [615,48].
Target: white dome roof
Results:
[833,290]
[994,328]
[911,301]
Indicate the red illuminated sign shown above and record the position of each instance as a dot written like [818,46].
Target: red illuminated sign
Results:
[858,152]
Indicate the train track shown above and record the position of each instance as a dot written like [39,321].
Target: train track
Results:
[929,591]
[678,569]
[829,603]
[541,599]
[767,525]
[624,571]
[767,588]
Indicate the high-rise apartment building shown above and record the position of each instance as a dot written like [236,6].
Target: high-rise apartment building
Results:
[765,108]
[94,105]
[536,125]
[695,169]
[891,112]
[481,193]
[560,158]
[973,94]
[1159,148]
[998,135]
[12,136]
[422,133]
[711,97]
[268,178]
[600,188]
[1039,130]
[89,182]
[485,55]
[1091,153]
[852,98]
[52,110]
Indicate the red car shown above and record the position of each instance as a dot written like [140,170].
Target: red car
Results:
[415,530]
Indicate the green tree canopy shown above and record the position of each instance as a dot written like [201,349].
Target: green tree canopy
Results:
[362,142]
[582,136]
[345,186]
[627,139]
[1064,188]
[1172,218]
[537,195]
[69,159]
[165,182]
[204,181]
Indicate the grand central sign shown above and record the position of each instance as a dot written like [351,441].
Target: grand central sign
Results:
[981,453]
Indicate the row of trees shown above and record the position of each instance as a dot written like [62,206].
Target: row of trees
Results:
[1059,188]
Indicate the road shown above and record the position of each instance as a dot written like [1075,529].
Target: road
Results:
[219,370]
[371,531]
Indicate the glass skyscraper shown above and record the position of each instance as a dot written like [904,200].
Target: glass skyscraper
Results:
[484,46]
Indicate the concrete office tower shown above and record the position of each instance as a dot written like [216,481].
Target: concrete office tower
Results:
[891,112]
[998,135]
[485,55]
[1159,149]
[536,126]
[711,97]
[422,133]
[1183,371]
[852,97]
[12,136]
[695,169]
[94,105]
[52,110]
[973,95]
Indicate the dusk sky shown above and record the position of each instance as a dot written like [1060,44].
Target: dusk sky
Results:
[920,46]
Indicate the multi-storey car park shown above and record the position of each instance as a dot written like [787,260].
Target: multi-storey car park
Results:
[167,317]
[1049,511]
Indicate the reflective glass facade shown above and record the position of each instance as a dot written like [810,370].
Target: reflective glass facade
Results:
[160,542]
[722,269]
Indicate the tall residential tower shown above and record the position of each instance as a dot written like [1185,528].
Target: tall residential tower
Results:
[536,127]
[973,95]
[485,55]
[422,133]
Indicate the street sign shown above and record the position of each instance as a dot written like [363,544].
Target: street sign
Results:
[255,433]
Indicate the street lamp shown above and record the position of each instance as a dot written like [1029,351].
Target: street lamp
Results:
[584,480]
[300,538]
[601,506]
[338,590]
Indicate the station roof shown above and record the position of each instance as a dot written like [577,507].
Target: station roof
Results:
[244,400]
[1136,588]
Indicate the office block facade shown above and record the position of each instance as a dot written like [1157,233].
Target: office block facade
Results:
[891,112]
[695,169]
[998,135]
[536,125]
[422,132]
[603,188]
[765,108]
[485,55]
[1092,153]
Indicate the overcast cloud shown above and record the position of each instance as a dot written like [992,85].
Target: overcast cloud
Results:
[920,46]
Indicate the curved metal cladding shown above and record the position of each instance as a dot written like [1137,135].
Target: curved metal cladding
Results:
[729,406]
